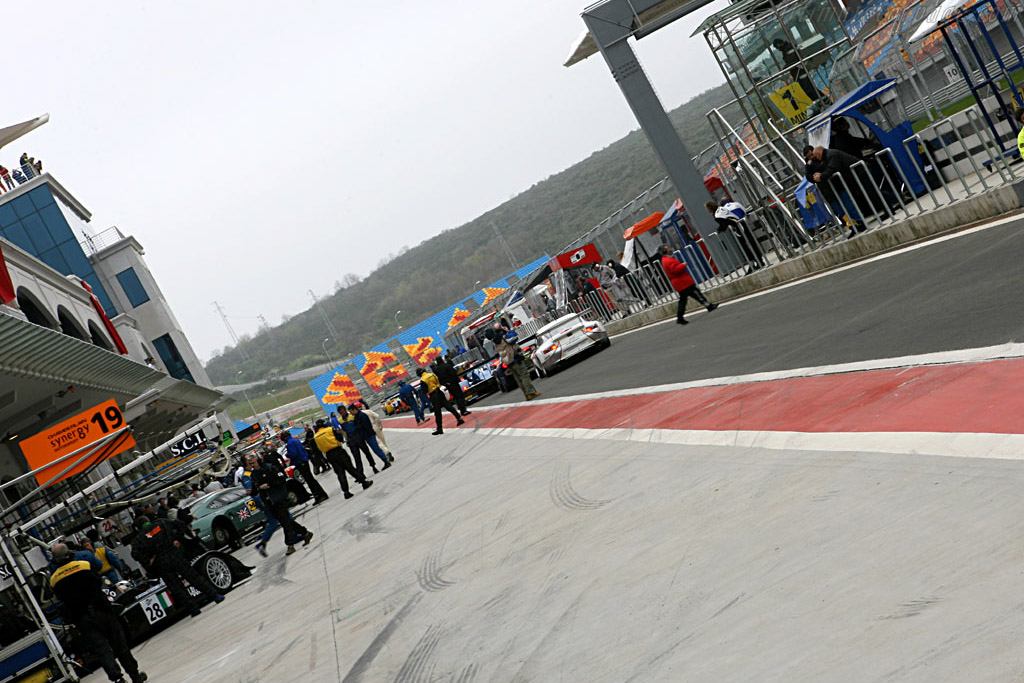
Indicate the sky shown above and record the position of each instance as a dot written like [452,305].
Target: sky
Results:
[258,150]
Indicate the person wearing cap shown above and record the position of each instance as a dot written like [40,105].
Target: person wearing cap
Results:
[438,400]
[328,443]
[683,283]
[85,605]
[299,457]
[111,564]
[515,363]
[1020,136]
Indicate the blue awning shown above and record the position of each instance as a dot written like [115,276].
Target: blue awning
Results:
[850,100]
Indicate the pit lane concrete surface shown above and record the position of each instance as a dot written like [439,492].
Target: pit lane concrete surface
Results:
[856,518]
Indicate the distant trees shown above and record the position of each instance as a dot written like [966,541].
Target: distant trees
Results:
[544,219]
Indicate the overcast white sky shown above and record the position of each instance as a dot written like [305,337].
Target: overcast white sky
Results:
[261,149]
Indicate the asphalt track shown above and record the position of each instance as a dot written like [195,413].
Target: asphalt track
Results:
[960,293]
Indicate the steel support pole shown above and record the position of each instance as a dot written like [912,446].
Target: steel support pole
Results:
[610,25]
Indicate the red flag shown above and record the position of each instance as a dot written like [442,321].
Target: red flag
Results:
[6,286]
[121,348]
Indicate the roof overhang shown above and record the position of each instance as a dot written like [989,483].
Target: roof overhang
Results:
[11,133]
[647,18]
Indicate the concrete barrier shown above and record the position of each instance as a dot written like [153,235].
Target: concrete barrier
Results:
[999,201]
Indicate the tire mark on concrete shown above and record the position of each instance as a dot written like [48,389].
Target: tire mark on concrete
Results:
[467,675]
[413,669]
[362,665]
[429,573]
[565,496]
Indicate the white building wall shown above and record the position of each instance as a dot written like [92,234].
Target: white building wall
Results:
[153,318]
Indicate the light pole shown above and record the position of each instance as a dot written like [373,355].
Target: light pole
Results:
[249,401]
[396,321]
[326,352]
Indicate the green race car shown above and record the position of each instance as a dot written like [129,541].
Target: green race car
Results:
[224,517]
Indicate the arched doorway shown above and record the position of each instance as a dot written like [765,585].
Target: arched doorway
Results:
[70,326]
[34,310]
[98,337]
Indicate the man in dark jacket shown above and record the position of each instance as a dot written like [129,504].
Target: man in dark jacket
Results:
[369,434]
[356,441]
[682,283]
[157,547]
[828,169]
[320,464]
[270,481]
[444,368]
[327,441]
[408,395]
[299,457]
[84,604]
[437,399]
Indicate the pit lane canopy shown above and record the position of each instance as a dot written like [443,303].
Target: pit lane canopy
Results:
[642,226]
[11,133]
[645,22]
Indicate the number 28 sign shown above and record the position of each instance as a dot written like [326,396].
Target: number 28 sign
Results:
[76,434]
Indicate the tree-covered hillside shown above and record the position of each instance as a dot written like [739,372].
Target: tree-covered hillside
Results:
[542,219]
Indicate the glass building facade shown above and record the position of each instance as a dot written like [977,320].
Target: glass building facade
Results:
[34,222]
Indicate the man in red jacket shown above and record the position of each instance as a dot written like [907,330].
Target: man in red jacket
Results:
[683,283]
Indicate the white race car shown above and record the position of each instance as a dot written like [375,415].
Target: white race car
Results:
[569,336]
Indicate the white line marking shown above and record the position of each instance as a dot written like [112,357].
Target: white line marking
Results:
[839,269]
[981,354]
[956,445]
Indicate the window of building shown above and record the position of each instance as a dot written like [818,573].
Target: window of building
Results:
[132,287]
[173,362]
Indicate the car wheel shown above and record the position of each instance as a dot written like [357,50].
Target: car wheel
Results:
[218,572]
[221,534]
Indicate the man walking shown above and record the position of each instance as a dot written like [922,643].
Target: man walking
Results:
[437,399]
[84,604]
[356,441]
[327,442]
[272,525]
[299,457]
[365,427]
[270,480]
[408,395]
[320,464]
[515,363]
[444,368]
[683,283]
[157,548]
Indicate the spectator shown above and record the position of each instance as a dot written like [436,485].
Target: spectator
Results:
[19,176]
[299,457]
[85,605]
[682,283]
[438,400]
[5,175]
[327,441]
[26,166]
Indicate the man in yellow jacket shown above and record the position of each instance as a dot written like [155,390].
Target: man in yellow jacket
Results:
[437,399]
[328,443]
